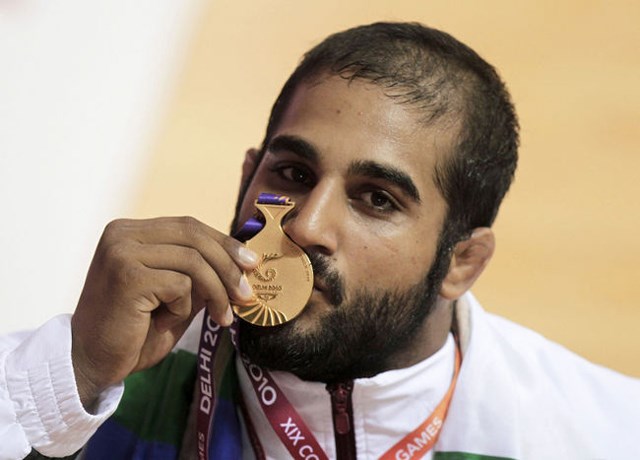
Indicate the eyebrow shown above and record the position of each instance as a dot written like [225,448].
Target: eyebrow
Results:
[368,168]
[295,145]
[388,173]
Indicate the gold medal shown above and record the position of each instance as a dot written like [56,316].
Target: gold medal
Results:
[283,280]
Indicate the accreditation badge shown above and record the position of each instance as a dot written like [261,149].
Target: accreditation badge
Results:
[283,280]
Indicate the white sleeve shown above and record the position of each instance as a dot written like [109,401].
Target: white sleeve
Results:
[39,403]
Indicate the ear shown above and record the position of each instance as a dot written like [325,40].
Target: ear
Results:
[469,259]
[249,165]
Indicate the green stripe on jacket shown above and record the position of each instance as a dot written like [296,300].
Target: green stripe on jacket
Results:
[156,402]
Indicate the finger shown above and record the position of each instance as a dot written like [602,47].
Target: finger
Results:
[172,292]
[207,282]
[222,316]
[221,252]
[179,305]
[182,231]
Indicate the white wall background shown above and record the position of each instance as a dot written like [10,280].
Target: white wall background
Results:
[83,86]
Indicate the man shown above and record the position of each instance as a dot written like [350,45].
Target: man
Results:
[397,143]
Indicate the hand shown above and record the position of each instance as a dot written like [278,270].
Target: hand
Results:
[147,281]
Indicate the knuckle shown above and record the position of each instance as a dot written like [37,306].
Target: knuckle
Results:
[124,275]
[121,269]
[183,310]
[114,229]
[231,248]
[115,255]
[227,272]
[232,272]
[192,226]
[193,258]
[229,244]
[219,299]
[183,285]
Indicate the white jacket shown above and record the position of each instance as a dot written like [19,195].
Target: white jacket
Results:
[518,396]
[39,403]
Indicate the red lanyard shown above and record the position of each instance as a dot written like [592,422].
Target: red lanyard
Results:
[209,341]
[284,419]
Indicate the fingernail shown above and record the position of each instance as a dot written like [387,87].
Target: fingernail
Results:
[247,255]
[245,289]
[228,316]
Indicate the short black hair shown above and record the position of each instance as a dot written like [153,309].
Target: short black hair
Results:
[440,78]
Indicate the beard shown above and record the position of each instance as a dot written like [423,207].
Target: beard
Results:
[361,334]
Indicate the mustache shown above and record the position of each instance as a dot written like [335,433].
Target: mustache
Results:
[330,278]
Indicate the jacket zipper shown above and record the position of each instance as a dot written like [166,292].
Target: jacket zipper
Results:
[342,410]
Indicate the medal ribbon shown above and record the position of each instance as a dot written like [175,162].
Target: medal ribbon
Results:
[209,340]
[282,416]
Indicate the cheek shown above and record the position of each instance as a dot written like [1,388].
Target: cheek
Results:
[388,263]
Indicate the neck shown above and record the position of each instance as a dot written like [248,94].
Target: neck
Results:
[429,338]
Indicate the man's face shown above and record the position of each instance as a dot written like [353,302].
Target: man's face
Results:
[360,168]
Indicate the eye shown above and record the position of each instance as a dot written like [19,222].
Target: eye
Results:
[380,201]
[293,173]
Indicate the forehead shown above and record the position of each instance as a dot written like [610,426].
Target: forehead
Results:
[350,121]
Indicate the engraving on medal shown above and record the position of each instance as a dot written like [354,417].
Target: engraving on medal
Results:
[283,280]
[270,273]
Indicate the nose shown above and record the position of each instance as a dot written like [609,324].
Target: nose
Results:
[315,221]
